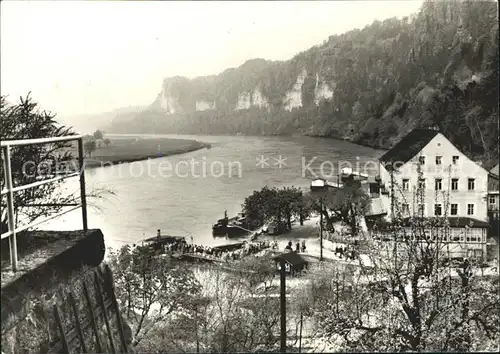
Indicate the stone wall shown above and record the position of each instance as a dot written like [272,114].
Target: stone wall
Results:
[51,264]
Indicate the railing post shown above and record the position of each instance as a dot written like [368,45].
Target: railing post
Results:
[10,209]
[282,307]
[83,197]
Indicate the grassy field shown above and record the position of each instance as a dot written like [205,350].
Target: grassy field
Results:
[132,149]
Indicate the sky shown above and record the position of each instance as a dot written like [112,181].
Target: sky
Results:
[92,57]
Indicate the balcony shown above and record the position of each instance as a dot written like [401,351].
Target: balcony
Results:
[35,263]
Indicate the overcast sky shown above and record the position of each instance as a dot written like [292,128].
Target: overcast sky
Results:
[89,57]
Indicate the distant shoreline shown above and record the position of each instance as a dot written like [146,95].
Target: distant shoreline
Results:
[375,147]
[131,150]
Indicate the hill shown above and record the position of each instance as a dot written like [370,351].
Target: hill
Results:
[372,85]
[88,123]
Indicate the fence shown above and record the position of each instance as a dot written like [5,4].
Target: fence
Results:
[72,339]
[10,189]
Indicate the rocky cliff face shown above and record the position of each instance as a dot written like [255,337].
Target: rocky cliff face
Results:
[293,98]
[322,91]
[181,95]
[365,84]
[203,105]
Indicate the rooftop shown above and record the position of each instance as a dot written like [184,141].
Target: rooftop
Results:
[490,165]
[409,146]
[291,257]
[494,170]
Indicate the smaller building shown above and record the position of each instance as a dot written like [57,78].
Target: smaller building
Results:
[320,184]
[493,208]
[462,238]
[493,195]
[293,262]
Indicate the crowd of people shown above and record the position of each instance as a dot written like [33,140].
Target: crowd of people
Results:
[298,247]
[217,253]
[342,252]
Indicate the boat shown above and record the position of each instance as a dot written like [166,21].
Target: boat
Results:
[157,242]
[231,227]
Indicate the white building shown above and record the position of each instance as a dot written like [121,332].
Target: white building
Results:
[425,175]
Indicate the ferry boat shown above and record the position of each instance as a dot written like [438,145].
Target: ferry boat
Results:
[231,227]
[157,242]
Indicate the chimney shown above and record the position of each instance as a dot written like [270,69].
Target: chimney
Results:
[158,233]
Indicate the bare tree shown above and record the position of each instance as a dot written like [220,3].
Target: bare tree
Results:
[150,289]
[412,300]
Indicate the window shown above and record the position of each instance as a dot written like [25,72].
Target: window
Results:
[454,209]
[438,209]
[492,199]
[405,209]
[421,160]
[456,234]
[421,210]
[470,209]
[454,184]
[472,235]
[455,160]
[438,184]
[471,184]
[421,183]
[439,160]
[406,184]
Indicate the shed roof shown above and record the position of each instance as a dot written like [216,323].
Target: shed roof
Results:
[291,257]
[409,146]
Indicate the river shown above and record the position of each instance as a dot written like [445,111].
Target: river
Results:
[185,194]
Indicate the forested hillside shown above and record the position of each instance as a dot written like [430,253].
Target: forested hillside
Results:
[438,67]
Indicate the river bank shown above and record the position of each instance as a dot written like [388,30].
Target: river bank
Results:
[326,137]
[123,150]
[359,143]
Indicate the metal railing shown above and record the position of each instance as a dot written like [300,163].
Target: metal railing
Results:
[10,189]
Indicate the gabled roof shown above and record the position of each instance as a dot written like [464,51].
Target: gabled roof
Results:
[409,146]
[291,257]
[490,164]
[494,170]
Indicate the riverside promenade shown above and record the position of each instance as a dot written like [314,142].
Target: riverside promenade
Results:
[309,232]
